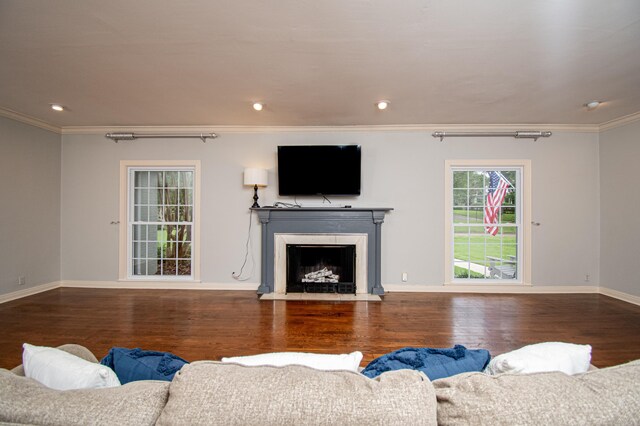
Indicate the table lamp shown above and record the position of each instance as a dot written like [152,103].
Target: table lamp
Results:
[255,178]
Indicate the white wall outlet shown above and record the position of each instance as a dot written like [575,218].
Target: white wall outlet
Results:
[22,280]
[587,278]
[405,277]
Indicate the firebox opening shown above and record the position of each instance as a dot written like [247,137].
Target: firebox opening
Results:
[320,268]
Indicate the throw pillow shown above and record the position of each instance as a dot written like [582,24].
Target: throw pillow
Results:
[434,362]
[136,364]
[60,370]
[549,356]
[329,362]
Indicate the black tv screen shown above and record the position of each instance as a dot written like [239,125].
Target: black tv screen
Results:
[319,170]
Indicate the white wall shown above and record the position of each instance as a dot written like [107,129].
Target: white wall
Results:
[403,170]
[620,207]
[29,206]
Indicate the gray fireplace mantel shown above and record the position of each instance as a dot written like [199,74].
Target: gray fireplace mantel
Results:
[322,220]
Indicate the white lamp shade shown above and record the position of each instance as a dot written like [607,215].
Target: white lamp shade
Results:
[255,177]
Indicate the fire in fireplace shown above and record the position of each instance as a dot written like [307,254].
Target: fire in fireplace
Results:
[321,268]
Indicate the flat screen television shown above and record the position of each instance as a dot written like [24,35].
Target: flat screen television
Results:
[319,170]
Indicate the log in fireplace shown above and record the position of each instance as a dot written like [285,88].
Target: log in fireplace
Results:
[321,268]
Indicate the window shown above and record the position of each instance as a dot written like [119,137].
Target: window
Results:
[487,240]
[160,218]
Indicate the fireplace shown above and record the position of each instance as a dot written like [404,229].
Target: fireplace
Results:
[324,226]
[321,268]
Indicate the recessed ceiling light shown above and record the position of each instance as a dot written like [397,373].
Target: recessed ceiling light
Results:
[382,104]
[57,107]
[258,106]
[591,105]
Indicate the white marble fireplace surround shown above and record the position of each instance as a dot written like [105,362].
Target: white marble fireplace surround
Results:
[280,258]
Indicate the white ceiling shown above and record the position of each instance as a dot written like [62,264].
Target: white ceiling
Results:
[319,62]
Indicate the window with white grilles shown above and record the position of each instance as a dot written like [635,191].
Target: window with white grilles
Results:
[486,233]
[161,222]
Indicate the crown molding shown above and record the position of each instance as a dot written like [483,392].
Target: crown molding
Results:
[91,130]
[101,130]
[221,129]
[621,121]
[27,119]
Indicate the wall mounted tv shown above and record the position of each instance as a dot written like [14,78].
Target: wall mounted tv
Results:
[319,170]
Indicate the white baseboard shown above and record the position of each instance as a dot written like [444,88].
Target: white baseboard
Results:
[28,291]
[498,288]
[389,288]
[626,297]
[159,285]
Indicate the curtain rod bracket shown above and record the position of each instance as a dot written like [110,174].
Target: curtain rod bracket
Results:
[129,136]
[117,137]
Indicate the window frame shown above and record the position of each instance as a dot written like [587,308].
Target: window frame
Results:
[524,254]
[125,237]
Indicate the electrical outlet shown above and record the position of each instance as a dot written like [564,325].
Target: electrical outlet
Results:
[21,280]
[587,277]
[405,277]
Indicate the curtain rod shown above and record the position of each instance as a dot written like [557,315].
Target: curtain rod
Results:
[116,137]
[521,134]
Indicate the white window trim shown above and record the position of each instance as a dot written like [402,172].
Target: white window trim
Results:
[124,245]
[525,204]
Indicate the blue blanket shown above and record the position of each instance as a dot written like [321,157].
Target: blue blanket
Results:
[137,364]
[435,363]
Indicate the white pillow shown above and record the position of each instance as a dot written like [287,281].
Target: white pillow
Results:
[60,370]
[318,361]
[549,356]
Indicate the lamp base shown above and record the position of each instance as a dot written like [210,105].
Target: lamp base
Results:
[255,198]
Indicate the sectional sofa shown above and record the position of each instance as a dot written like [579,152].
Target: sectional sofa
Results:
[208,392]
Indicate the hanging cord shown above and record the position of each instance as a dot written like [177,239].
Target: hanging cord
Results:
[238,277]
[287,205]
[324,198]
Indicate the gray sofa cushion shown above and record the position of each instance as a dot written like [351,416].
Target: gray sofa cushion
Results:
[231,394]
[23,400]
[605,396]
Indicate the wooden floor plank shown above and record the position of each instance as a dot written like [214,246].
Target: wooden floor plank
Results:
[212,324]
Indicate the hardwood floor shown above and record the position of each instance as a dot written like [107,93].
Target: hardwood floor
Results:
[212,324]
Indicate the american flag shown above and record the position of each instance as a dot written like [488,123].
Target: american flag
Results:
[498,186]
